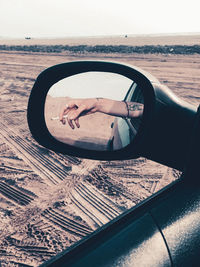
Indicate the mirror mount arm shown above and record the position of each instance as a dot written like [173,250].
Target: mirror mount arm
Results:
[191,171]
[167,140]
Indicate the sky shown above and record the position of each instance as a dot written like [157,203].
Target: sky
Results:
[64,18]
[107,85]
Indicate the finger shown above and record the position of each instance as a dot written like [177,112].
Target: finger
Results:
[64,120]
[72,104]
[77,123]
[72,114]
[67,108]
[70,123]
[65,111]
[62,113]
[76,113]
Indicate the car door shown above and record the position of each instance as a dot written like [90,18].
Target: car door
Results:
[125,129]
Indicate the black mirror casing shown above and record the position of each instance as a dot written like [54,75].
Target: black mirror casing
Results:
[50,76]
[169,138]
[165,131]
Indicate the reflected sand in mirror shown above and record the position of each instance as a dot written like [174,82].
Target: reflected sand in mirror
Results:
[94,132]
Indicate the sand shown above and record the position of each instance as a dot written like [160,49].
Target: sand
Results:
[138,40]
[41,191]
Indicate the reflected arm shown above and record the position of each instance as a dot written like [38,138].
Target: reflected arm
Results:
[81,107]
[119,108]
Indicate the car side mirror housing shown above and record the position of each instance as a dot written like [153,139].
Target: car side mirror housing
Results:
[162,133]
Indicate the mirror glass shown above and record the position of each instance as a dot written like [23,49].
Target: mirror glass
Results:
[94,110]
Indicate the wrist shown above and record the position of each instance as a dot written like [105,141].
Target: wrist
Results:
[98,103]
[127,109]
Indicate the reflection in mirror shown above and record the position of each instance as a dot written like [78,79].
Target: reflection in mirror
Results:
[94,110]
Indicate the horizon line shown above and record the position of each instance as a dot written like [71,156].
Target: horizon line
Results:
[105,36]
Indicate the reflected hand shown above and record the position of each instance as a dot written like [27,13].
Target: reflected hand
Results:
[77,108]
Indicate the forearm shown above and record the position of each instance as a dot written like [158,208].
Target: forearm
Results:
[81,107]
[111,107]
[119,108]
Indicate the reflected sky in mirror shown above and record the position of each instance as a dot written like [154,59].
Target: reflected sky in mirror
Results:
[92,84]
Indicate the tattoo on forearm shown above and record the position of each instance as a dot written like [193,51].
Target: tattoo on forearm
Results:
[134,106]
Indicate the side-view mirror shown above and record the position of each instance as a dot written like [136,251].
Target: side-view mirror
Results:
[161,131]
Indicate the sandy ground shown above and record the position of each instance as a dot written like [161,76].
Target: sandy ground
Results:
[49,201]
[109,40]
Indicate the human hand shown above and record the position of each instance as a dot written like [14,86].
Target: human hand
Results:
[75,109]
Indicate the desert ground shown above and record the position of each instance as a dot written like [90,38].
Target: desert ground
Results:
[110,40]
[49,201]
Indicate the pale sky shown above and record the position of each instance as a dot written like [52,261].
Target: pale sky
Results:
[62,18]
[82,85]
